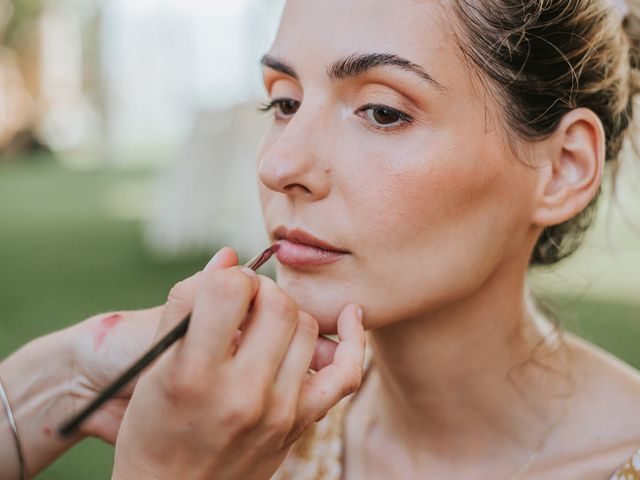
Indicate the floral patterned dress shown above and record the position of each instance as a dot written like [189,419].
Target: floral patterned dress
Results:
[630,470]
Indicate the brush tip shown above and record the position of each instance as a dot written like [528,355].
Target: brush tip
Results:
[274,248]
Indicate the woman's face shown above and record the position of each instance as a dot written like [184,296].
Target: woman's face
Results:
[383,146]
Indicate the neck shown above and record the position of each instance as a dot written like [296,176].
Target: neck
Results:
[467,378]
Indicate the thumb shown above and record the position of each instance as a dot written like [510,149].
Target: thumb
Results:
[341,377]
[326,346]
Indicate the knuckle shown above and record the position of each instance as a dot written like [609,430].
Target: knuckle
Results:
[244,413]
[180,299]
[352,381]
[180,291]
[308,324]
[180,389]
[226,283]
[280,423]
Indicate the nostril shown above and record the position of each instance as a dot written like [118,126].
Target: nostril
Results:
[293,186]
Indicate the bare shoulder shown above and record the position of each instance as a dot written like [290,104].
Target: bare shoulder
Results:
[606,384]
[601,428]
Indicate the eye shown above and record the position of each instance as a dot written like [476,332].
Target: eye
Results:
[284,108]
[383,117]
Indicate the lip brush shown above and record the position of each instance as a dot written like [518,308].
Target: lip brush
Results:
[71,425]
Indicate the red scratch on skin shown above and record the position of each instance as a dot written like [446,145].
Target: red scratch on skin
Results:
[48,432]
[106,324]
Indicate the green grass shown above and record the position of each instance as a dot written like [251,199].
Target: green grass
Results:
[63,258]
[614,326]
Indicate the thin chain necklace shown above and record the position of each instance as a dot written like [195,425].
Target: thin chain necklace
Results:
[543,441]
[372,419]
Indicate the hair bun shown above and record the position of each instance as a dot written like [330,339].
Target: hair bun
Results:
[631,26]
[545,58]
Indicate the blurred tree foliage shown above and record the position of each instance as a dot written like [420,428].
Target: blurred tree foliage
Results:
[19,68]
[18,15]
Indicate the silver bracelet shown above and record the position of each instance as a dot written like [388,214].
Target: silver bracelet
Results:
[14,428]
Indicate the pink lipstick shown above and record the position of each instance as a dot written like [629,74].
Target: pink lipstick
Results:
[299,248]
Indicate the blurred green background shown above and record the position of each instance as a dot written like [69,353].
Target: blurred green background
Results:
[64,257]
[126,160]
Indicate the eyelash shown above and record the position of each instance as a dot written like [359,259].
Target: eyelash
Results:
[403,118]
[277,104]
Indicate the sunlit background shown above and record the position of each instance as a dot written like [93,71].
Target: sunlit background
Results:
[128,132]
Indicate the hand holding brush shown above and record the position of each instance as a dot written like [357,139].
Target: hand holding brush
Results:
[228,405]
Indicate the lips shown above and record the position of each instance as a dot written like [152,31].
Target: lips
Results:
[299,248]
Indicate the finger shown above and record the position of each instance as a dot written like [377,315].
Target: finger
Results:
[292,372]
[222,302]
[343,376]
[105,423]
[267,332]
[182,296]
[226,257]
[323,353]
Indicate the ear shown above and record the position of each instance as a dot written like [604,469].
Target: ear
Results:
[571,176]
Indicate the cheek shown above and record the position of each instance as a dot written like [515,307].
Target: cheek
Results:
[415,193]
[434,224]
[426,224]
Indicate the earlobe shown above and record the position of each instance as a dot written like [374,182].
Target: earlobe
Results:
[571,178]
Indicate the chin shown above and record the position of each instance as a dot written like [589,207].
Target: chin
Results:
[313,299]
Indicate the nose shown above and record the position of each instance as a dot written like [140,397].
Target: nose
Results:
[293,163]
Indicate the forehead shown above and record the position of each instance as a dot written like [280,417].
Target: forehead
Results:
[316,32]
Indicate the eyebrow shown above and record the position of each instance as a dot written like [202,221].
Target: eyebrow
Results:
[278,65]
[356,65]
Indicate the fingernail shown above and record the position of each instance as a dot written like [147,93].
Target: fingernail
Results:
[247,271]
[212,262]
[360,313]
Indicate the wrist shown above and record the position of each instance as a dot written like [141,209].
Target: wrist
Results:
[38,379]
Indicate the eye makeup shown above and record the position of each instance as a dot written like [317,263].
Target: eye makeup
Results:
[283,107]
[384,118]
[380,116]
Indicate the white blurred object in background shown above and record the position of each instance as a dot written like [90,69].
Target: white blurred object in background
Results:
[209,197]
[68,119]
[165,61]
